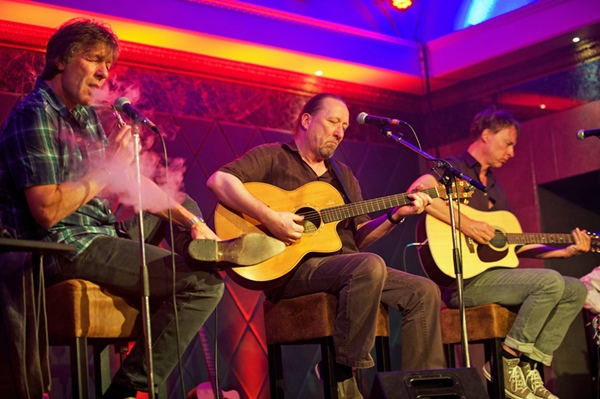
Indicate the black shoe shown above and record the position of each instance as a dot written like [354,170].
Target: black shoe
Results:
[246,250]
[116,391]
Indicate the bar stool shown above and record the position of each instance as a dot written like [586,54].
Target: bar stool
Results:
[309,319]
[80,313]
[486,324]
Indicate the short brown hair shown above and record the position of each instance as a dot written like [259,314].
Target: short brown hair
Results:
[73,36]
[494,120]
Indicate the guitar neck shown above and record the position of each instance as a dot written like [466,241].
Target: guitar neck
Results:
[539,238]
[212,375]
[353,209]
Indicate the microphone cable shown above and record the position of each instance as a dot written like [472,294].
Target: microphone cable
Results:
[173,266]
[173,262]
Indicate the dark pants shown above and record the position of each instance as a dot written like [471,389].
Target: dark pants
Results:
[24,369]
[114,263]
[361,281]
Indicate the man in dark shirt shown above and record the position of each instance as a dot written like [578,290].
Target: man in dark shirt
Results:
[360,280]
[548,301]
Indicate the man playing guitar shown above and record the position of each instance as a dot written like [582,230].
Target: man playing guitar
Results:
[360,280]
[548,301]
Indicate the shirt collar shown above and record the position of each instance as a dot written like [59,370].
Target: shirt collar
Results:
[292,146]
[79,112]
[474,164]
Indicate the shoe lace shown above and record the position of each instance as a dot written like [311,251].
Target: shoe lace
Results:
[534,380]
[516,379]
[596,328]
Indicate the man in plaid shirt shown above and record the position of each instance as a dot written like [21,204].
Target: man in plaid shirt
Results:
[55,162]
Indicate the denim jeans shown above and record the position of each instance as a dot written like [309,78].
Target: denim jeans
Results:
[361,281]
[114,264]
[548,304]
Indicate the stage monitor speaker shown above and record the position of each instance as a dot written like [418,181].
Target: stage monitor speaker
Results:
[460,383]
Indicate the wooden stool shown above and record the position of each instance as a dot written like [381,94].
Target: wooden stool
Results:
[486,324]
[80,313]
[309,319]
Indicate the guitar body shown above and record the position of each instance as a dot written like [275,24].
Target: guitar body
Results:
[436,255]
[319,237]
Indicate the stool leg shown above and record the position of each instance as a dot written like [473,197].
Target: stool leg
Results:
[327,363]
[79,368]
[275,371]
[382,350]
[450,355]
[493,353]
[102,371]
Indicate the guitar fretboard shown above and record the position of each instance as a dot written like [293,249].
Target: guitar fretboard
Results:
[539,238]
[347,211]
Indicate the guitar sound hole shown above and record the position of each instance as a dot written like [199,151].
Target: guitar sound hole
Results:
[499,240]
[312,219]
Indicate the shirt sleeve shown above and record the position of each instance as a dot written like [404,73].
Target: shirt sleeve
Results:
[252,166]
[30,149]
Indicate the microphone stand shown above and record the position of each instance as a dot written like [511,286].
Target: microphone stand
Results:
[145,284]
[447,179]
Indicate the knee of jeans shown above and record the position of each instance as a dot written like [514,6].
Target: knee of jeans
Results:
[578,289]
[373,267]
[552,283]
[431,291]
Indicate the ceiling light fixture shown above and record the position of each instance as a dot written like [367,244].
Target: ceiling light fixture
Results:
[402,4]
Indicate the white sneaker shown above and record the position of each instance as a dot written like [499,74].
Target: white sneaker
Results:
[515,386]
[348,389]
[534,381]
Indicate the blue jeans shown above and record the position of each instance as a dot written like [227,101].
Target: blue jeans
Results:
[548,304]
[361,281]
[114,264]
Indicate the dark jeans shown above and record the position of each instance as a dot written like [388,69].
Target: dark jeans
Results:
[24,367]
[114,263]
[361,281]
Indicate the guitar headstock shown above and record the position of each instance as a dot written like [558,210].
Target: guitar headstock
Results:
[595,241]
[461,190]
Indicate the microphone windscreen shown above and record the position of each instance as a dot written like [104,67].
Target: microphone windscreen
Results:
[120,102]
[360,118]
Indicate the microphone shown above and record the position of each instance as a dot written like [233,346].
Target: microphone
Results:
[365,119]
[123,105]
[582,134]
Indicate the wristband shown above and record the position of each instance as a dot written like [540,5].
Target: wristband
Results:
[391,219]
[196,219]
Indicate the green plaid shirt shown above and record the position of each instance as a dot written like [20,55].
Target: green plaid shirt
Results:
[41,143]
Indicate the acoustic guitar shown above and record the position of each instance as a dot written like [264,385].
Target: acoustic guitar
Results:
[322,207]
[436,253]
[210,389]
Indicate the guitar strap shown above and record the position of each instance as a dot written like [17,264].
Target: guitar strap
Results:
[340,178]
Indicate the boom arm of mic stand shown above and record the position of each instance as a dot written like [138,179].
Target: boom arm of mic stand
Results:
[439,163]
[447,179]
